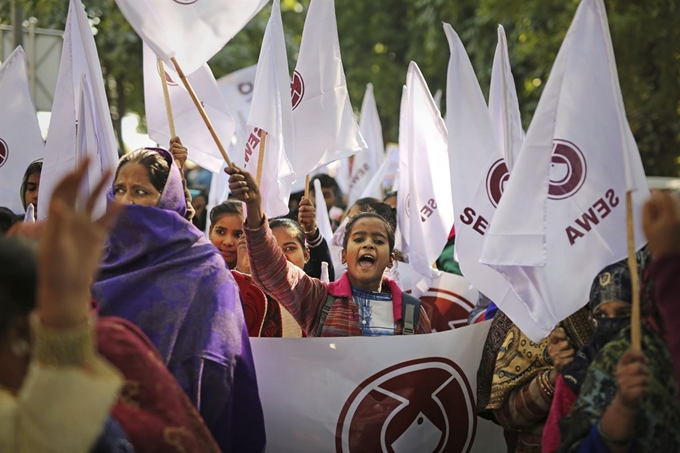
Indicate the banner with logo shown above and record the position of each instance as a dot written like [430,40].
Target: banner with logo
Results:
[237,89]
[562,217]
[390,394]
[20,139]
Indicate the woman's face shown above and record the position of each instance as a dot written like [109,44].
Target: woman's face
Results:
[294,251]
[367,253]
[133,186]
[31,193]
[224,234]
[613,309]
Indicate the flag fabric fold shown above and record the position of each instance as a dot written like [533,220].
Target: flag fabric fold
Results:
[78,59]
[503,104]
[189,125]
[271,112]
[374,188]
[20,140]
[562,217]
[478,177]
[429,209]
[325,127]
[191,31]
[367,162]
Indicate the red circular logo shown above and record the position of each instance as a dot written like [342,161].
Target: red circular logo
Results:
[568,171]
[4,152]
[446,309]
[423,405]
[168,79]
[297,89]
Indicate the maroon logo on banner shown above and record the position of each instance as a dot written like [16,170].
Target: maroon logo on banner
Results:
[185,2]
[168,79]
[4,152]
[567,170]
[567,173]
[446,309]
[496,178]
[423,405]
[297,89]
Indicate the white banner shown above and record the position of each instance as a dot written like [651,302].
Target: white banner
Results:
[390,394]
[237,89]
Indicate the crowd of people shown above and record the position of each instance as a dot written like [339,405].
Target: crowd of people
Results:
[131,332]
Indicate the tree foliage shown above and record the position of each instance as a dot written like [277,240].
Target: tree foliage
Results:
[378,38]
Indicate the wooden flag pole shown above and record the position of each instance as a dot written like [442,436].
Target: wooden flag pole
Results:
[201,110]
[307,186]
[260,157]
[166,95]
[635,326]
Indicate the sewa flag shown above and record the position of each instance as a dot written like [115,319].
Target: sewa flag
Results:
[237,90]
[478,176]
[367,162]
[503,104]
[20,139]
[78,58]
[189,125]
[325,128]
[428,206]
[374,188]
[563,214]
[192,31]
[402,183]
[271,113]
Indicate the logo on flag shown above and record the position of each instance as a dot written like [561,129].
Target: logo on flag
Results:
[297,89]
[185,2]
[168,79]
[4,152]
[568,171]
[447,310]
[424,405]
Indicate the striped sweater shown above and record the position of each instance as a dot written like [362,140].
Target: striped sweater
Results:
[304,296]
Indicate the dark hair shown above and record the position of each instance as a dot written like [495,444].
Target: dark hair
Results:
[292,226]
[157,167]
[33,168]
[226,207]
[390,195]
[368,215]
[18,280]
[365,204]
[386,211]
[7,219]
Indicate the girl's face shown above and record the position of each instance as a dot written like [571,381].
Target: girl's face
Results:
[224,234]
[133,186]
[367,254]
[294,251]
[31,193]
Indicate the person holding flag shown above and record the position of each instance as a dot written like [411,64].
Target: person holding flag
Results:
[363,302]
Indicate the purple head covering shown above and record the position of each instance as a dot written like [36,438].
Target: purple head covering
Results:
[162,274]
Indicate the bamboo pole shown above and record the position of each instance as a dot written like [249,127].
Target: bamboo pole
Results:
[166,95]
[201,110]
[307,187]
[635,326]
[260,157]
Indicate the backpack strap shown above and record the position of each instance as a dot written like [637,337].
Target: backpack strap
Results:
[323,312]
[410,313]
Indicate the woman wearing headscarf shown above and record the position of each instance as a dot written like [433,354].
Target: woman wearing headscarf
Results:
[610,307]
[161,273]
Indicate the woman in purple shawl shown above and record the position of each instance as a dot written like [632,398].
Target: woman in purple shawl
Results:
[161,273]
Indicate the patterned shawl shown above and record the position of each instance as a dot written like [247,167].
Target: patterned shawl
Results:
[161,273]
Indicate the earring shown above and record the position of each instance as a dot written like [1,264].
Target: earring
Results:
[20,348]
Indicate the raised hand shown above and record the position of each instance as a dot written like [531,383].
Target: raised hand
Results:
[632,379]
[307,216]
[179,152]
[71,246]
[242,185]
[560,351]
[661,222]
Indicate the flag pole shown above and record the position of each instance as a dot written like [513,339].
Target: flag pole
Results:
[635,326]
[166,95]
[260,157]
[307,186]
[201,110]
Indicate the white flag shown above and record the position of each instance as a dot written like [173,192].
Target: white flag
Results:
[192,31]
[478,176]
[272,113]
[323,222]
[20,139]
[78,58]
[237,89]
[374,188]
[403,190]
[428,207]
[366,162]
[503,104]
[189,125]
[325,128]
[563,215]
